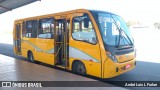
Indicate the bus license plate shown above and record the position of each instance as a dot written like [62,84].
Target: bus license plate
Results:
[128,66]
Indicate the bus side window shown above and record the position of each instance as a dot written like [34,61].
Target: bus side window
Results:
[24,29]
[31,28]
[83,29]
[46,28]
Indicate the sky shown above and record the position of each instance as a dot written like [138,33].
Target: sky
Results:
[146,11]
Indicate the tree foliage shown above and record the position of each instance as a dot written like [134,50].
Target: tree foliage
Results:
[132,22]
[157,25]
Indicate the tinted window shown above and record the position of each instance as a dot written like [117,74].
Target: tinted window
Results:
[46,28]
[83,29]
[113,29]
[31,28]
[23,29]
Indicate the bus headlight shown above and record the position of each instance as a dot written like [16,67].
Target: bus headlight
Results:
[113,57]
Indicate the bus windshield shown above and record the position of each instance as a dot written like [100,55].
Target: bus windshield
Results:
[113,29]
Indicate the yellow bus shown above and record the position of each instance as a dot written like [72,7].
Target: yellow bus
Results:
[87,42]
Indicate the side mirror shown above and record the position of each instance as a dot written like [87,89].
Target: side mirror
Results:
[86,23]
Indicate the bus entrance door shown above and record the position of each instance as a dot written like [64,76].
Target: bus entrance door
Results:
[18,38]
[61,44]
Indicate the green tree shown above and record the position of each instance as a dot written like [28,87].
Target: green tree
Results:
[132,22]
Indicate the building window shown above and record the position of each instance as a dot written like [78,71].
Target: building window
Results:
[46,28]
[83,29]
[31,28]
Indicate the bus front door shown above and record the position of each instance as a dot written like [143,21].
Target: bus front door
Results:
[18,38]
[61,44]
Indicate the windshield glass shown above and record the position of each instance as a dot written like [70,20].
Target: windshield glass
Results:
[113,29]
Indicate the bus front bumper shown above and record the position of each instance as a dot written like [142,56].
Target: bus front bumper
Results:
[112,69]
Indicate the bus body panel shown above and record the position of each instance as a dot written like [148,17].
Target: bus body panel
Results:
[42,49]
[89,54]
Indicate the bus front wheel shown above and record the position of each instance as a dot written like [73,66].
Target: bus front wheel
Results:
[79,68]
[30,56]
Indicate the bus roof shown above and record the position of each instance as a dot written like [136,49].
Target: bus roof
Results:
[57,13]
[65,12]
[99,11]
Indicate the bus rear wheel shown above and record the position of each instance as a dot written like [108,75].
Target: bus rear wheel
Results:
[31,57]
[80,68]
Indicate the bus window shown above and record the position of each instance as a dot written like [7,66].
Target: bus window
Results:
[23,29]
[46,28]
[83,29]
[31,28]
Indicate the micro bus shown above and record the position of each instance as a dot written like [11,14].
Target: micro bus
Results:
[87,42]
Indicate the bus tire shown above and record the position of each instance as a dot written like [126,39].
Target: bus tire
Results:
[74,66]
[31,57]
[80,68]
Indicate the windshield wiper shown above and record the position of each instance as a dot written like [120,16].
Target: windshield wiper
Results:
[122,36]
[128,38]
[121,33]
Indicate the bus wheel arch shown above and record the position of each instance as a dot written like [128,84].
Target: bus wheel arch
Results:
[79,67]
[30,56]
